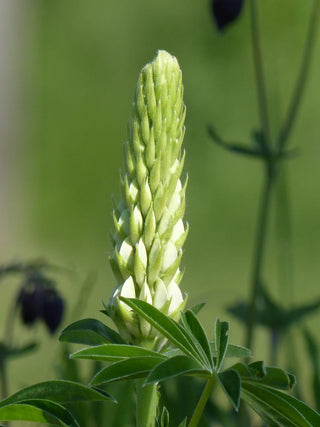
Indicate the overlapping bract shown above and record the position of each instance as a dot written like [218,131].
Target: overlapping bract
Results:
[149,228]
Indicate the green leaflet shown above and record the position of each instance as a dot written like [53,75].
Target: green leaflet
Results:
[221,340]
[114,352]
[38,410]
[90,332]
[230,382]
[166,326]
[192,323]
[164,420]
[283,409]
[270,376]
[174,367]
[58,391]
[233,350]
[134,367]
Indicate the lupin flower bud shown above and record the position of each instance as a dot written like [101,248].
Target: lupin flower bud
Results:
[149,228]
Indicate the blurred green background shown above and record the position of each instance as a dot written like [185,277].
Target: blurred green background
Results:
[75,67]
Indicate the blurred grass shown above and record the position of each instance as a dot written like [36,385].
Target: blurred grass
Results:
[80,64]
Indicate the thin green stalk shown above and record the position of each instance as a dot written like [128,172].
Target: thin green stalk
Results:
[147,404]
[3,379]
[10,321]
[275,338]
[259,250]
[292,361]
[265,201]
[260,80]
[284,239]
[195,419]
[302,77]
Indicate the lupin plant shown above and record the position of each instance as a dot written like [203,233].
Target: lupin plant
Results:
[149,228]
[157,340]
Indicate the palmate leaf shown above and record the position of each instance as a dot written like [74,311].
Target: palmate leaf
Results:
[174,367]
[90,332]
[114,352]
[278,407]
[38,410]
[174,332]
[134,367]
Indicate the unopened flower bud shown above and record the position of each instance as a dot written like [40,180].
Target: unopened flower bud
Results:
[149,227]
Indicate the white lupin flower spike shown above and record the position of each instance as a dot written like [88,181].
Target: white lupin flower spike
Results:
[149,228]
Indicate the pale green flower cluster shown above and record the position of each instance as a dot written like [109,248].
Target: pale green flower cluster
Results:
[149,228]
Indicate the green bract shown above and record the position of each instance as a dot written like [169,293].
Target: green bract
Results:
[149,228]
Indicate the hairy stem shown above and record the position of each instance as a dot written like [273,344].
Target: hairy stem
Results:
[202,403]
[147,404]
[302,77]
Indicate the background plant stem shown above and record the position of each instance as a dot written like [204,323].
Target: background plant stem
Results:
[202,403]
[270,166]
[260,80]
[302,77]
[259,250]
[147,404]
[3,379]
[10,321]
[268,177]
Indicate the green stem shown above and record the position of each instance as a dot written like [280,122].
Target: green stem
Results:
[260,80]
[3,379]
[9,327]
[202,403]
[283,223]
[302,77]
[259,250]
[147,404]
[275,338]
[259,247]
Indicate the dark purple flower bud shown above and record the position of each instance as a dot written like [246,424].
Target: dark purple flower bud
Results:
[225,11]
[53,308]
[30,300]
